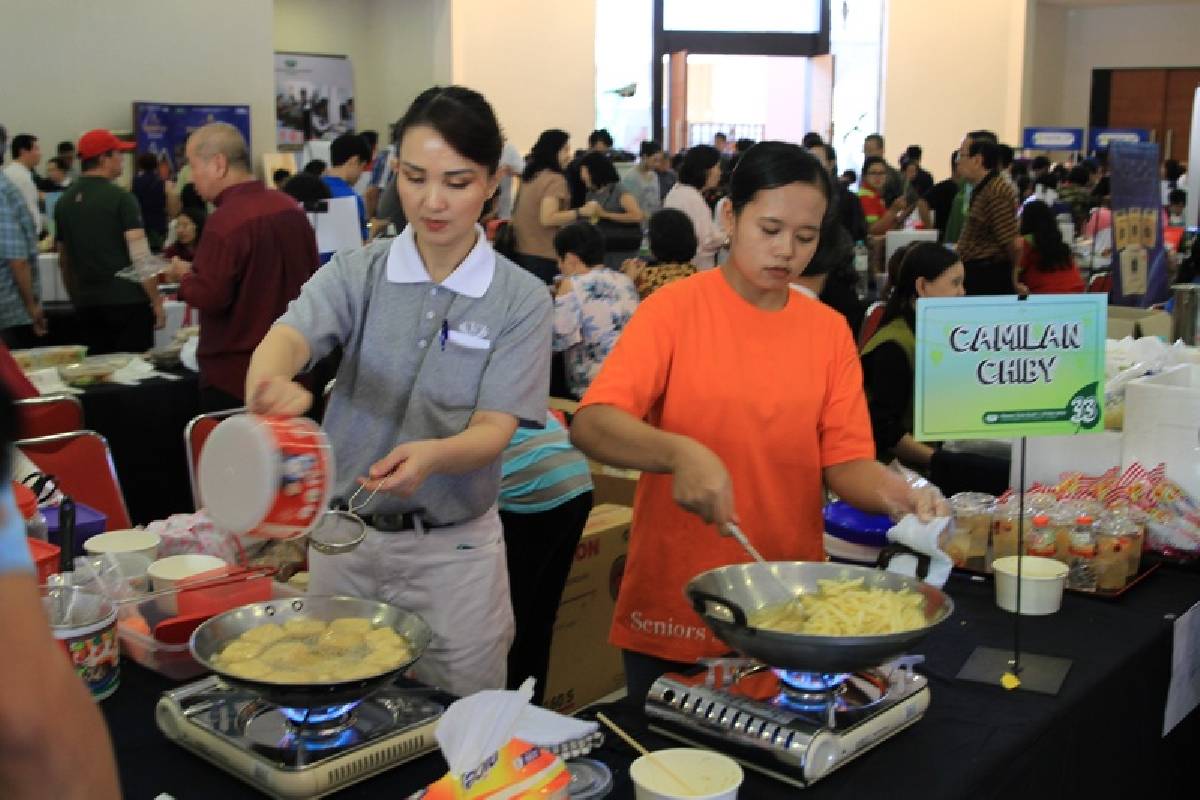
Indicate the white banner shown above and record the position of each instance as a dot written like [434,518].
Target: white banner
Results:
[314,98]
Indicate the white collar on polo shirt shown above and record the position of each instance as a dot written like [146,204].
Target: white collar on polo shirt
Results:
[472,277]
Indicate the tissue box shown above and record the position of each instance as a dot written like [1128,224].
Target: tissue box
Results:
[517,771]
[1138,322]
[583,666]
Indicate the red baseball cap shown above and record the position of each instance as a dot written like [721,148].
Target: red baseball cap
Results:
[99,141]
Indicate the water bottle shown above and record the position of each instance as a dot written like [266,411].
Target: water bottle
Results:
[862,258]
[644,248]
[1082,570]
[862,264]
[1185,312]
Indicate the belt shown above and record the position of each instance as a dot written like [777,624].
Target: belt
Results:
[397,523]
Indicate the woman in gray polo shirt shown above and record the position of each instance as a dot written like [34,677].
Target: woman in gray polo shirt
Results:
[447,346]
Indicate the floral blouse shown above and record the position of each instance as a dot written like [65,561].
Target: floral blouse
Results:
[588,320]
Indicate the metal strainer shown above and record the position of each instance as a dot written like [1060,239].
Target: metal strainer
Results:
[340,530]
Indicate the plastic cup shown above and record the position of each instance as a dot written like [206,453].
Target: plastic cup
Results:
[85,626]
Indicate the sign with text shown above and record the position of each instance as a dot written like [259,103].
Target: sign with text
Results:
[163,128]
[1102,138]
[999,367]
[1141,274]
[314,98]
[1043,138]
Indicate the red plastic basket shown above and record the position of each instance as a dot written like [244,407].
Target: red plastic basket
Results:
[45,557]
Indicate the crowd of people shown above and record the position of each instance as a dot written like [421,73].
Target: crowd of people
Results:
[705,309]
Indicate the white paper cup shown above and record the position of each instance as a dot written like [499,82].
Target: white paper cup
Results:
[166,573]
[134,540]
[710,775]
[1042,582]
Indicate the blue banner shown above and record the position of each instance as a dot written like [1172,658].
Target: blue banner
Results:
[1052,138]
[1102,138]
[163,128]
[1140,276]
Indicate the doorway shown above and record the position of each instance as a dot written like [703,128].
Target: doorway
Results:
[1157,100]
[746,97]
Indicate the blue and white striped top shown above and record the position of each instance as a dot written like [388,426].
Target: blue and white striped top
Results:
[541,470]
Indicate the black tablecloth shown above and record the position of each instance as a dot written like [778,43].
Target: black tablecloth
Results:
[1100,737]
[144,427]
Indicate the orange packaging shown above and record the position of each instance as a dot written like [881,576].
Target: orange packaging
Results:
[517,771]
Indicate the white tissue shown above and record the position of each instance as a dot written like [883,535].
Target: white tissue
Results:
[566,736]
[475,727]
[923,538]
[187,355]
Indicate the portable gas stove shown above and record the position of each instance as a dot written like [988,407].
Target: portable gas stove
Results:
[293,753]
[796,727]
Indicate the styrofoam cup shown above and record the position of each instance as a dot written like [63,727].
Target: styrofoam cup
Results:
[133,540]
[1042,582]
[709,775]
[167,572]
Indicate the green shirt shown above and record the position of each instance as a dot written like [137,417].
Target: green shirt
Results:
[91,219]
[958,212]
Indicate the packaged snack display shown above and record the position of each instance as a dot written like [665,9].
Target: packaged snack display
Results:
[973,514]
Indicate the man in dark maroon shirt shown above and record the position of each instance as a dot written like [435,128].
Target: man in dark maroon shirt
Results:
[258,249]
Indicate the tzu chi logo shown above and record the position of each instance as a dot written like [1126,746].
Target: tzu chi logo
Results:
[476,329]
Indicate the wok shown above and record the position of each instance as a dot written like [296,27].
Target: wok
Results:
[726,596]
[211,637]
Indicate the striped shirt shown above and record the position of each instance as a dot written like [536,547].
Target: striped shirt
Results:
[991,225]
[542,470]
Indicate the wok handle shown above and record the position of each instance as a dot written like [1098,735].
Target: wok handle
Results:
[701,600]
[892,550]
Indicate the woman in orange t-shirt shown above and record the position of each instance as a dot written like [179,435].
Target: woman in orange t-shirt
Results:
[727,382]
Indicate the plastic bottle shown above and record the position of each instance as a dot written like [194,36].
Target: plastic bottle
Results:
[1082,572]
[1040,540]
[861,258]
[35,523]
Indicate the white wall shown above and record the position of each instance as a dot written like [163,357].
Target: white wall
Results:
[1124,36]
[534,60]
[1045,78]
[397,48]
[949,67]
[72,65]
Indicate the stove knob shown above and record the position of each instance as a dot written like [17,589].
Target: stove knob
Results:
[824,752]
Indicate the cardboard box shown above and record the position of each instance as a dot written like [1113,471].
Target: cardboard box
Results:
[1138,322]
[1162,413]
[583,666]
[613,486]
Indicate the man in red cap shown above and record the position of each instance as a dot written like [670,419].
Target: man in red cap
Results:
[99,230]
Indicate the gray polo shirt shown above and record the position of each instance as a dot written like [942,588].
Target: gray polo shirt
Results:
[420,358]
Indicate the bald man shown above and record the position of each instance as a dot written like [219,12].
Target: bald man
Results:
[257,250]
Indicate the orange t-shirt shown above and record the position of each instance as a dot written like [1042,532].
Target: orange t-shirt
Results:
[776,395]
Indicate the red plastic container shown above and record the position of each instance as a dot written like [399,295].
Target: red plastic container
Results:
[267,476]
[45,557]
